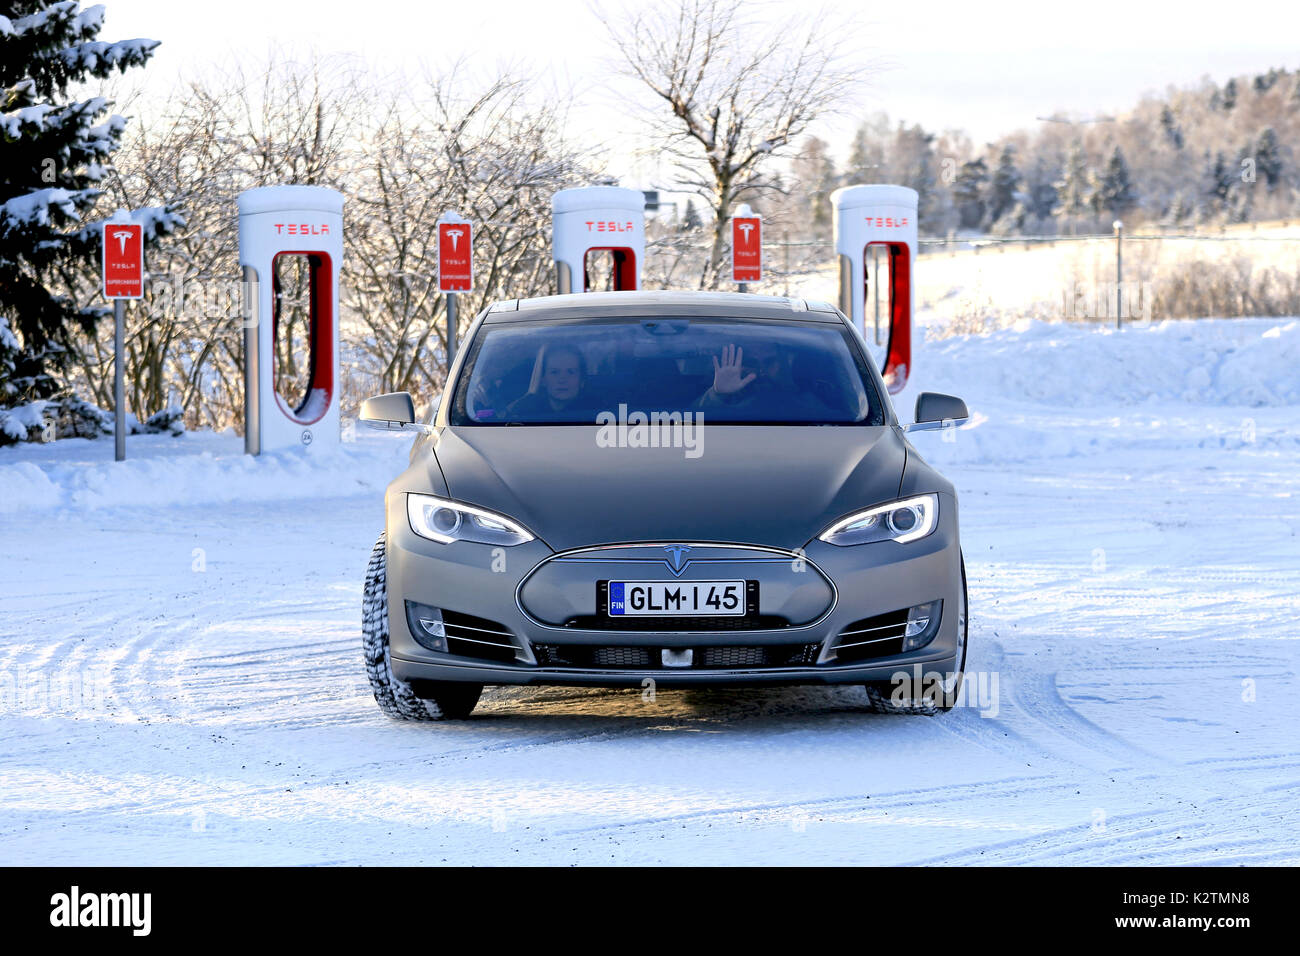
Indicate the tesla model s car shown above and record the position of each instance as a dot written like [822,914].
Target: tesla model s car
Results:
[677,489]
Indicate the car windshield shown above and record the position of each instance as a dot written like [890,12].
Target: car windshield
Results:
[730,371]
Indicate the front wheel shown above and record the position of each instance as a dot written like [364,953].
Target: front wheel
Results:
[423,700]
[938,699]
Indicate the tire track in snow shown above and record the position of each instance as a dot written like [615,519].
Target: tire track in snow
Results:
[1150,836]
[1003,788]
[989,733]
[1037,696]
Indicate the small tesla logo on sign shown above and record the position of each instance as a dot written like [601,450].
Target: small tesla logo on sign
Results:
[455,235]
[745,227]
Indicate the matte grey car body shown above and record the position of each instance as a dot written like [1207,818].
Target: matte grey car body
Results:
[752,507]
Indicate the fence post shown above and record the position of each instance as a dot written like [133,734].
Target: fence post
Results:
[785,242]
[1119,271]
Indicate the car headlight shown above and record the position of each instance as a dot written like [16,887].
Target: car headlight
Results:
[444,521]
[900,521]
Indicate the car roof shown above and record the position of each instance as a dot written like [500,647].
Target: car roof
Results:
[597,304]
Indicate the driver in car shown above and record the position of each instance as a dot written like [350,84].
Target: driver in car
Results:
[557,387]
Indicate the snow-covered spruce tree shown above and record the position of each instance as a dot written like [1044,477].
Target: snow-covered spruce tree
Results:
[968,193]
[1004,185]
[54,151]
[1117,194]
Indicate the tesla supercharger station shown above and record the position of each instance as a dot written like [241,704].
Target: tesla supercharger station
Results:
[598,238]
[291,249]
[875,238]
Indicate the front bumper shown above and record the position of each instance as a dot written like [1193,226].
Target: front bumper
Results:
[545,601]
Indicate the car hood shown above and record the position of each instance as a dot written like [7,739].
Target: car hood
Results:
[778,486]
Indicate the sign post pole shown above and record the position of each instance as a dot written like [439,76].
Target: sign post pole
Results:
[451,328]
[119,380]
[455,269]
[746,247]
[123,261]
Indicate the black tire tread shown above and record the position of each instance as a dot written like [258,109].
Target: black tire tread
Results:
[395,697]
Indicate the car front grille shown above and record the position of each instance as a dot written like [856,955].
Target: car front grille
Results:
[470,636]
[871,637]
[622,657]
[619,656]
[600,622]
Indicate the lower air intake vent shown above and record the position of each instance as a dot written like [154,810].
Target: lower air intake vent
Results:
[733,656]
[649,658]
[872,637]
[471,636]
[620,657]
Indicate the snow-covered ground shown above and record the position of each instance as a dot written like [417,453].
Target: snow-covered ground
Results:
[181,680]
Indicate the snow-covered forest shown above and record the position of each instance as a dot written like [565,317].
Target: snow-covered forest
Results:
[1199,155]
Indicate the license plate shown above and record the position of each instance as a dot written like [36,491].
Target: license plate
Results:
[676,598]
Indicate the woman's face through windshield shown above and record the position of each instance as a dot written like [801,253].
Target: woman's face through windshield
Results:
[562,376]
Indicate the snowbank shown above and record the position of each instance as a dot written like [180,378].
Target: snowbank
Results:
[1223,362]
[1141,389]
[200,468]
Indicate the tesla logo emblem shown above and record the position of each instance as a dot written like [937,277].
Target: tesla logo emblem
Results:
[677,550]
[745,227]
[455,237]
[122,235]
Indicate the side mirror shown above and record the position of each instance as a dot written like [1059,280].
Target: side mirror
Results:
[394,410]
[935,410]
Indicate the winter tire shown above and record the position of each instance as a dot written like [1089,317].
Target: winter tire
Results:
[428,700]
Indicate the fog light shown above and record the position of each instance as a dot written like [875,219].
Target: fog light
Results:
[426,626]
[922,625]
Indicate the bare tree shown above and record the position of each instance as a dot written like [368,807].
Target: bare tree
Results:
[736,94]
[278,121]
[485,149]
[486,152]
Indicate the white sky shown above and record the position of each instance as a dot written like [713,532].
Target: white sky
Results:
[988,68]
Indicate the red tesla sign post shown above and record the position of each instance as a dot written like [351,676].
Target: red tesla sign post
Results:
[746,247]
[455,268]
[123,279]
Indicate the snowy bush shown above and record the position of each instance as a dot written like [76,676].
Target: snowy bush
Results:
[48,420]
